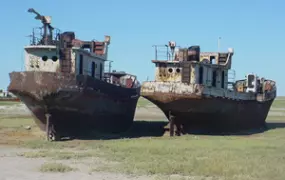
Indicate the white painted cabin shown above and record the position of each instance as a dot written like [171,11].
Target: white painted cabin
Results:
[45,58]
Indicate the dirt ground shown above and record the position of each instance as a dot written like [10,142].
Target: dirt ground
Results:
[13,166]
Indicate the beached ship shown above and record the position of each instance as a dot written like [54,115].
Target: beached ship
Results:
[66,87]
[198,89]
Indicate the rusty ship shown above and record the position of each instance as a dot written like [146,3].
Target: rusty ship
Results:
[198,91]
[66,87]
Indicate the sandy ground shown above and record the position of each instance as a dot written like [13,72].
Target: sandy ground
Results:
[14,167]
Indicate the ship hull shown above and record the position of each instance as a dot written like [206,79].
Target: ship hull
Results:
[212,114]
[75,104]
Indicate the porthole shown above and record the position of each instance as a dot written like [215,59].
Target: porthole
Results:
[44,58]
[54,58]
[170,70]
[178,70]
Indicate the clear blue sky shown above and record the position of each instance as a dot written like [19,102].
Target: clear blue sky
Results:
[254,28]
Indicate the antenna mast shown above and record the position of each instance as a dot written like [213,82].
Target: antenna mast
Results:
[219,43]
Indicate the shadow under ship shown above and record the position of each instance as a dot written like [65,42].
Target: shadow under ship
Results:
[197,91]
[66,89]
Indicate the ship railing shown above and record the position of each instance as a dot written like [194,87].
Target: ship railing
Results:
[36,38]
[162,52]
[108,66]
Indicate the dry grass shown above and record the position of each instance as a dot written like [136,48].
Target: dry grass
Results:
[259,156]
[55,167]
[58,154]
[8,103]
[142,102]
[278,103]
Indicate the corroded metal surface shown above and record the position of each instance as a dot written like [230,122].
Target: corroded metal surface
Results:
[75,103]
[204,92]
[196,105]
[197,90]
[212,113]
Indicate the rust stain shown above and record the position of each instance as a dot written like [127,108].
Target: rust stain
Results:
[200,94]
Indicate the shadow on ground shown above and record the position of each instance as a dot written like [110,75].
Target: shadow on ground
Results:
[157,129]
[138,129]
[216,132]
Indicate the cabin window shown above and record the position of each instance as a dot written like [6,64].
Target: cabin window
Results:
[93,69]
[101,69]
[223,79]
[80,64]
[201,75]
[178,70]
[170,70]
[214,78]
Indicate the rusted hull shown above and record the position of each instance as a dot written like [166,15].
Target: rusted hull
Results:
[212,114]
[75,103]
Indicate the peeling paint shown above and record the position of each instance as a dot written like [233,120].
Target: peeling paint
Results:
[202,92]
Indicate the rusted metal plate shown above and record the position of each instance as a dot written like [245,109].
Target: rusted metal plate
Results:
[75,102]
[194,104]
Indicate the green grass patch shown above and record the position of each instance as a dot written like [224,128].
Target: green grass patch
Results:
[142,102]
[9,103]
[15,122]
[280,97]
[278,103]
[59,155]
[55,167]
[275,118]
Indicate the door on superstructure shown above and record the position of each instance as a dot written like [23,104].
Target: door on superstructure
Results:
[93,66]
[186,72]
[80,64]
[101,70]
